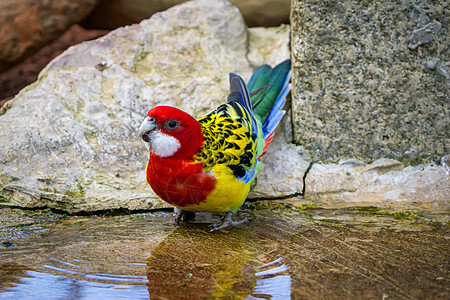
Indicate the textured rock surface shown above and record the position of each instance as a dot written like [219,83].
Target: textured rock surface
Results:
[385,182]
[360,91]
[27,25]
[260,53]
[110,14]
[69,140]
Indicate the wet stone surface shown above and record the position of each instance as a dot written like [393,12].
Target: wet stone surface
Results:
[17,223]
[296,250]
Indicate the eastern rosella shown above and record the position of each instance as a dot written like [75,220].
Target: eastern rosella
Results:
[208,164]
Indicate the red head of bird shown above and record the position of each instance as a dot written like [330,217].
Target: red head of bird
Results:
[171,133]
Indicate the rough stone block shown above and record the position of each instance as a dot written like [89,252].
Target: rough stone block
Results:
[370,79]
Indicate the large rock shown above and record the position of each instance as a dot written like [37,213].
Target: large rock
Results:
[69,141]
[27,25]
[371,79]
[110,14]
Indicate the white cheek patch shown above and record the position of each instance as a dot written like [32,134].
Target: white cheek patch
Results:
[164,145]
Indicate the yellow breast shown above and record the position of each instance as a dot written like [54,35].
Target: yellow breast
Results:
[228,195]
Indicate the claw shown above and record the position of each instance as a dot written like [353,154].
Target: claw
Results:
[228,223]
[183,216]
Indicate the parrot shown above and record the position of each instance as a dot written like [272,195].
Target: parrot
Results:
[208,164]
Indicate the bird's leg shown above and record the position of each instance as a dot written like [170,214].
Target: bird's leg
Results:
[222,220]
[183,215]
[228,223]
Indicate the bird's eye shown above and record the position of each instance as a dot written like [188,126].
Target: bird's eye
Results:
[151,119]
[172,124]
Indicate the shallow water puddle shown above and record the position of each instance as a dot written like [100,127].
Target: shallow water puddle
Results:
[285,253]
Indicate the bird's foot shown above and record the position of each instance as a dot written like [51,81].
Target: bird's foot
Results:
[228,223]
[183,216]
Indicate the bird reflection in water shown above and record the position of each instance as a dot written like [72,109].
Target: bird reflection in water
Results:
[191,264]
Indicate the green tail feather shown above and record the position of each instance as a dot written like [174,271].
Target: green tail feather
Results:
[274,80]
[259,80]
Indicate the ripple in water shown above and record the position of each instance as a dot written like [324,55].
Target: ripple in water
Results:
[66,280]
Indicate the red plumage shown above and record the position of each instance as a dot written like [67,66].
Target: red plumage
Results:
[267,141]
[179,182]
